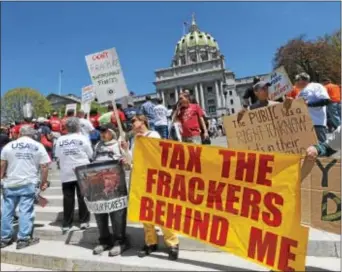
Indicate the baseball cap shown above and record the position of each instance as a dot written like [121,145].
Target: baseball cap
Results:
[256,80]
[302,76]
[106,127]
[260,85]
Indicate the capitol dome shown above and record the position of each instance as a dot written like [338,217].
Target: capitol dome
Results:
[195,46]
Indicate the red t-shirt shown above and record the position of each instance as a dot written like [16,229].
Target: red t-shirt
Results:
[63,122]
[122,117]
[56,124]
[189,118]
[94,119]
[17,128]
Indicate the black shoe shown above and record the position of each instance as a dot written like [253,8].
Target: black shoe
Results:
[25,243]
[173,252]
[147,250]
[100,248]
[4,244]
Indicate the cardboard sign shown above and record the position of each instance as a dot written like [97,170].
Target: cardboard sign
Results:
[321,196]
[107,76]
[103,186]
[71,107]
[28,110]
[237,200]
[272,129]
[280,83]
[88,94]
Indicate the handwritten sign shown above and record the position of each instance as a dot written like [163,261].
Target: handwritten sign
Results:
[321,196]
[237,200]
[280,83]
[88,94]
[107,76]
[71,107]
[272,129]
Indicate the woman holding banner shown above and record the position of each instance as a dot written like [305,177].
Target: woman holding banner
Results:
[109,149]
[140,128]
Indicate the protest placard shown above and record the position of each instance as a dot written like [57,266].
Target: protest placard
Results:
[272,129]
[106,75]
[237,200]
[71,107]
[103,186]
[280,83]
[86,107]
[88,94]
[321,196]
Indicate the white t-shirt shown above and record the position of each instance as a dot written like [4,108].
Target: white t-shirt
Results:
[86,127]
[72,150]
[24,157]
[150,134]
[314,92]
[160,115]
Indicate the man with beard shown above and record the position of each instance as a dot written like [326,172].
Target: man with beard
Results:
[191,117]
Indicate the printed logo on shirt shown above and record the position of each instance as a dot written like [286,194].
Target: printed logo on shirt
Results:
[70,142]
[20,146]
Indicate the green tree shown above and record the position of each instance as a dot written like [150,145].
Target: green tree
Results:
[12,103]
[319,58]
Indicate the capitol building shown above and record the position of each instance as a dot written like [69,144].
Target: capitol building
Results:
[199,66]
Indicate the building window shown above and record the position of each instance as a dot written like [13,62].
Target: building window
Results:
[172,95]
[230,93]
[211,101]
[231,101]
[214,55]
[204,55]
[193,57]
[212,109]
[210,90]
[182,58]
[233,111]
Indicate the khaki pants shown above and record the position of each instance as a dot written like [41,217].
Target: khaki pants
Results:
[151,237]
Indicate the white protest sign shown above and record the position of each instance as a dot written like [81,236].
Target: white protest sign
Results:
[86,107]
[106,75]
[71,107]
[280,83]
[88,94]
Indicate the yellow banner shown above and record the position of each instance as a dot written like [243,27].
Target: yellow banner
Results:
[244,202]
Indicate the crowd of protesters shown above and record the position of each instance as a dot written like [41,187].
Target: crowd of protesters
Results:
[28,147]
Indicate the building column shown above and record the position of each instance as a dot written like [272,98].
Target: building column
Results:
[218,97]
[163,97]
[176,94]
[196,93]
[202,97]
[222,96]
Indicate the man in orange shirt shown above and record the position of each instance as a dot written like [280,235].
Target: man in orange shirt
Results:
[334,108]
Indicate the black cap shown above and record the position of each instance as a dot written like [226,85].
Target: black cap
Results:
[105,127]
[256,80]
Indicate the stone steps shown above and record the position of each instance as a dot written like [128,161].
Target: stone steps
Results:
[56,255]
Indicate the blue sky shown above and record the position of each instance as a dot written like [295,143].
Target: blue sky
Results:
[38,39]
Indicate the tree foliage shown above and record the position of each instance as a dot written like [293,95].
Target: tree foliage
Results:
[13,101]
[319,58]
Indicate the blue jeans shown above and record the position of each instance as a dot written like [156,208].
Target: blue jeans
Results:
[151,125]
[334,114]
[23,196]
[321,133]
[163,131]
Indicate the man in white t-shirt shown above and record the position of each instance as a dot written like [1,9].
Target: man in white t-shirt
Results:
[160,119]
[73,150]
[86,126]
[317,98]
[21,161]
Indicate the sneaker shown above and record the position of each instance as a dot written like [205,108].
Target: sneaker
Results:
[4,244]
[117,249]
[25,243]
[84,226]
[65,230]
[173,252]
[100,248]
[147,250]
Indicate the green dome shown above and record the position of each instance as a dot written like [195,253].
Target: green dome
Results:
[194,38]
